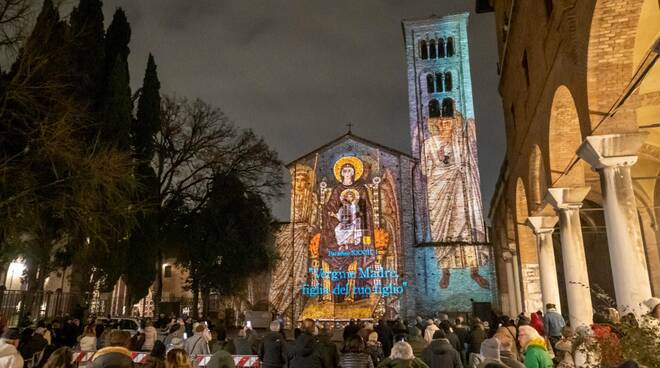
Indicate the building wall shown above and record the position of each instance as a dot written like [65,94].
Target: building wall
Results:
[563,65]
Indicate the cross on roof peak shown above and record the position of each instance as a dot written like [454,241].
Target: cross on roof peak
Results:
[350,127]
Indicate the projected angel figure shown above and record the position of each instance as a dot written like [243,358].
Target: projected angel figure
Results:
[346,225]
[453,188]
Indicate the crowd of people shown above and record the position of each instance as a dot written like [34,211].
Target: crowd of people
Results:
[538,340]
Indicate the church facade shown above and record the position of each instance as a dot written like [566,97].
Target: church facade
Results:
[375,231]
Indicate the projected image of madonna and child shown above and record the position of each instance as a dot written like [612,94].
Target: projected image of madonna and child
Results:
[350,265]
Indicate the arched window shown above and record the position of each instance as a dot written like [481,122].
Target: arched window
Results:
[441,48]
[423,50]
[430,87]
[434,108]
[438,82]
[450,47]
[432,50]
[447,107]
[448,85]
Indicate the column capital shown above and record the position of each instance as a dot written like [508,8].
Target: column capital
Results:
[611,150]
[542,224]
[566,198]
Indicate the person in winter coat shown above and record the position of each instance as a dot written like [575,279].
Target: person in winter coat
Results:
[327,349]
[9,355]
[402,357]
[305,352]
[537,322]
[88,339]
[197,344]
[553,322]
[416,341]
[272,349]
[507,336]
[150,336]
[221,359]
[490,354]
[222,342]
[243,344]
[476,337]
[564,349]
[451,336]
[440,354]
[534,348]
[116,354]
[430,330]
[354,355]
[385,336]
[374,348]
[506,356]
[34,344]
[156,358]
[350,329]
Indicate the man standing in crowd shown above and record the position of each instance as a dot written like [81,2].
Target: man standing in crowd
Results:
[272,350]
[554,323]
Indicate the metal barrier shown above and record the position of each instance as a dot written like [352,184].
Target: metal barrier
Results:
[241,361]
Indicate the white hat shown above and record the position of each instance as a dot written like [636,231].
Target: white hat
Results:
[652,303]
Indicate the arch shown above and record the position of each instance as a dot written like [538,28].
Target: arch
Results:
[564,138]
[538,184]
[434,108]
[438,82]
[430,83]
[433,51]
[448,81]
[450,47]
[524,235]
[423,50]
[447,107]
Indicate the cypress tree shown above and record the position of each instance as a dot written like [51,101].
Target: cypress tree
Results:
[117,38]
[117,108]
[148,113]
[87,34]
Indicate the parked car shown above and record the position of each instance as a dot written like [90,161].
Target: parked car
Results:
[123,323]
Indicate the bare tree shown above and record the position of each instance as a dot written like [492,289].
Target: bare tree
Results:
[15,16]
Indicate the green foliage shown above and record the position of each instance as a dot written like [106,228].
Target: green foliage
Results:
[228,239]
[117,38]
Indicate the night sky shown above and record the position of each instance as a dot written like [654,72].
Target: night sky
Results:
[296,71]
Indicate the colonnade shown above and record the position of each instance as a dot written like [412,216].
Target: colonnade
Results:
[611,156]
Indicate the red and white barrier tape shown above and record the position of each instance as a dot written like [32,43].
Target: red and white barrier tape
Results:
[241,361]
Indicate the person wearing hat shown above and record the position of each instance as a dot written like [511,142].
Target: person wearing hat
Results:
[490,354]
[553,323]
[9,355]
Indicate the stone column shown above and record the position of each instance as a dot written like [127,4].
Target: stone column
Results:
[543,226]
[510,284]
[611,156]
[516,277]
[567,203]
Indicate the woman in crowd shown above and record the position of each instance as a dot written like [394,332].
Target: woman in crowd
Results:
[402,357]
[156,358]
[534,348]
[61,358]
[88,339]
[177,358]
[375,348]
[354,355]
[150,336]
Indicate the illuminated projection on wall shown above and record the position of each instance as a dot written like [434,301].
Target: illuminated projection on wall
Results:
[346,201]
[454,264]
